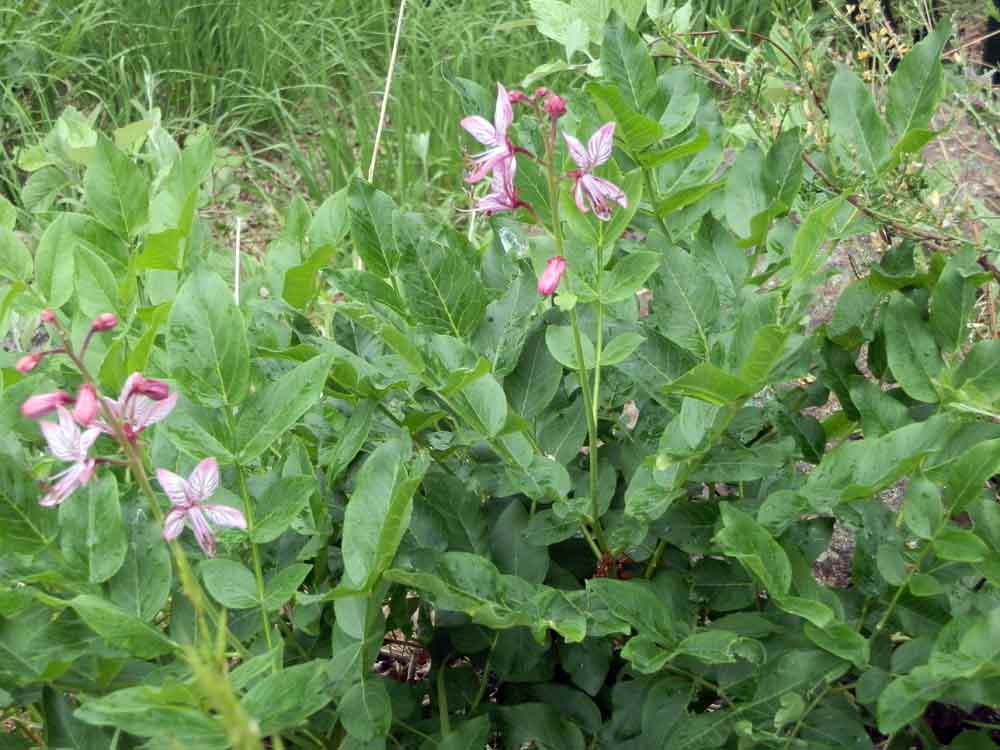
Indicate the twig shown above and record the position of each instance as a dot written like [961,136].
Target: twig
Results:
[678,44]
[972,43]
[855,201]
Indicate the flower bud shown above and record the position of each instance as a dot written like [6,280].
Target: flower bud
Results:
[44,403]
[151,388]
[28,363]
[104,322]
[555,106]
[47,316]
[86,405]
[540,93]
[518,97]
[551,276]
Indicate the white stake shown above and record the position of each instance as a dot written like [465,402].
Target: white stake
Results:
[236,262]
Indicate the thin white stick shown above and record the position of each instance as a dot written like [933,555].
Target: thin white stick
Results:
[385,93]
[236,262]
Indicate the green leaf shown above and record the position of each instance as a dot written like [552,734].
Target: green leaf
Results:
[378,512]
[301,283]
[953,300]
[880,412]
[371,213]
[96,287]
[230,583]
[352,439]
[207,348]
[15,259]
[706,382]
[620,348]
[282,586]
[287,698]
[92,533]
[637,605]
[26,528]
[685,197]
[766,351]
[169,713]
[967,474]
[746,194]
[38,646]
[281,504]
[625,59]
[274,409]
[812,233]
[750,543]
[635,129]
[698,143]
[855,125]
[686,302]
[483,405]
[332,221]
[63,731]
[511,551]
[783,167]
[562,347]
[980,370]
[55,267]
[906,697]
[141,586]
[923,511]
[441,287]
[471,733]
[534,382]
[911,349]
[841,640]
[817,613]
[120,629]
[917,85]
[541,725]
[628,275]
[366,711]
[721,647]
[960,545]
[116,190]
[8,214]
[501,335]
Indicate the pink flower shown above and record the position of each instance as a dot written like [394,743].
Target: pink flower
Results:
[494,137]
[67,443]
[595,189]
[87,405]
[43,403]
[504,195]
[188,496]
[555,106]
[47,316]
[551,276]
[143,402]
[28,362]
[104,322]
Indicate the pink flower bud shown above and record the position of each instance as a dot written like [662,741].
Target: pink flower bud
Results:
[104,322]
[551,276]
[28,363]
[151,388]
[47,316]
[555,106]
[540,93]
[518,97]
[85,410]
[44,403]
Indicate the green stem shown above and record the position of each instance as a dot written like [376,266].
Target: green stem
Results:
[654,561]
[486,675]
[257,570]
[798,725]
[443,700]
[588,402]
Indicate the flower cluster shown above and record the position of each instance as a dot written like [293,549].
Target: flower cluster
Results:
[590,192]
[142,402]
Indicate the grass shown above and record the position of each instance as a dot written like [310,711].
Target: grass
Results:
[293,82]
